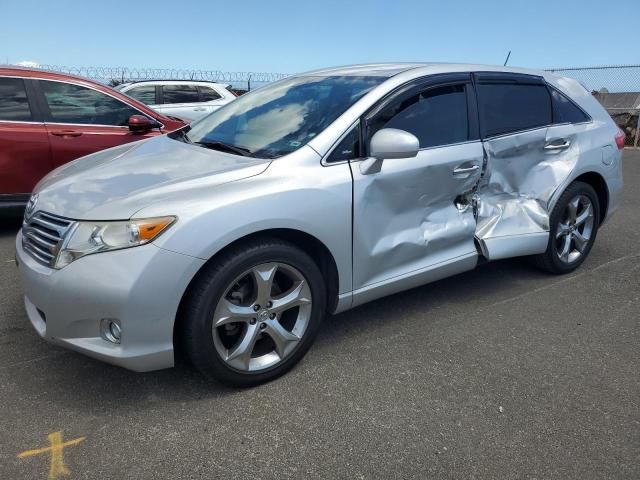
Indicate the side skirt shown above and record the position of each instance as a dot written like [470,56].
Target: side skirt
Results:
[415,278]
[508,246]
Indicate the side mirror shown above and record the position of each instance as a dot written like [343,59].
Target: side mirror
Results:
[141,124]
[393,143]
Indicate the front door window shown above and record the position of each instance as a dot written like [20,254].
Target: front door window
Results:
[74,104]
[408,216]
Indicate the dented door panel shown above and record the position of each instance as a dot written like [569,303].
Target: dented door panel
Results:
[513,200]
[415,213]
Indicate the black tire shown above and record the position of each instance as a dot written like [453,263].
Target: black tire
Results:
[211,284]
[550,261]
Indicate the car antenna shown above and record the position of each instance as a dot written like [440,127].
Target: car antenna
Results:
[507,59]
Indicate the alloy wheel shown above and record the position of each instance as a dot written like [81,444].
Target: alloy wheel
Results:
[262,317]
[575,230]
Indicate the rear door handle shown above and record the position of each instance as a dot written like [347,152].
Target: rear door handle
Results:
[465,170]
[66,133]
[558,144]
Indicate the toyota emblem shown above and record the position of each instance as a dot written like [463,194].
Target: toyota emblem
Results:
[31,205]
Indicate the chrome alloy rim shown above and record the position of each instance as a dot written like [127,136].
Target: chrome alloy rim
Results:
[575,230]
[262,316]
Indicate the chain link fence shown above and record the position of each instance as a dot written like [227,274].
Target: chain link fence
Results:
[617,88]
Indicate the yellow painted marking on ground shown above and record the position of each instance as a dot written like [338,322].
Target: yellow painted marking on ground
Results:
[56,447]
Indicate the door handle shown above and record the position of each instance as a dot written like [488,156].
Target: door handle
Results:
[465,170]
[66,133]
[558,144]
[199,109]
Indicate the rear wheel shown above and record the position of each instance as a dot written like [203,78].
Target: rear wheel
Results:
[573,228]
[254,312]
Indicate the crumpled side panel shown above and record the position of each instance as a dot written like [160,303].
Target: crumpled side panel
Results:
[406,219]
[407,239]
[502,214]
[512,199]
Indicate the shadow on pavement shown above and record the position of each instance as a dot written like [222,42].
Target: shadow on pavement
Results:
[103,384]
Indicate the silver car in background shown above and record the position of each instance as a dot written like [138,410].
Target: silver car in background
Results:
[233,237]
[186,99]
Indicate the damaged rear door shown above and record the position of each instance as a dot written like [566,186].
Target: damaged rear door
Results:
[526,160]
[413,219]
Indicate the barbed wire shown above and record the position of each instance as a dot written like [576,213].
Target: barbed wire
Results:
[126,74]
[614,78]
[615,86]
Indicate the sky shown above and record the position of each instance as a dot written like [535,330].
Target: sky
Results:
[291,36]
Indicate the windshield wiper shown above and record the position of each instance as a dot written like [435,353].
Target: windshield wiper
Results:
[215,145]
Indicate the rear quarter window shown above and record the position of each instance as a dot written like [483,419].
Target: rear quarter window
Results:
[507,108]
[564,110]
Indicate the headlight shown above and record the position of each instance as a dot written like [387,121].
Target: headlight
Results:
[93,237]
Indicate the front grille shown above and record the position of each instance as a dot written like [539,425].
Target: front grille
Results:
[42,236]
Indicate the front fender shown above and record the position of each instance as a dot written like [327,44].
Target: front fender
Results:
[296,192]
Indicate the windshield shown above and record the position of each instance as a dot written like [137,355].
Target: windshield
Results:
[280,118]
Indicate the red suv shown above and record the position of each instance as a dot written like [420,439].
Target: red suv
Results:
[48,119]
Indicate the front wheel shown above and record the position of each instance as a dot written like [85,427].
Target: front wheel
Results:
[254,312]
[573,227]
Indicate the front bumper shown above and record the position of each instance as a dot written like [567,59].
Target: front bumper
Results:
[140,286]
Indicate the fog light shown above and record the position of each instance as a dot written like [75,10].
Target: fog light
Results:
[110,330]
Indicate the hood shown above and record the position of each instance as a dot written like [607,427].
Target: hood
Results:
[114,184]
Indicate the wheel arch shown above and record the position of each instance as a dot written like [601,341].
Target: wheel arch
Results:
[598,183]
[311,245]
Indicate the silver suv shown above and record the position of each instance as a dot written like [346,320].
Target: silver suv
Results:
[234,237]
[188,100]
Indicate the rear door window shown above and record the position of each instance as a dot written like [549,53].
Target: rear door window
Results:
[511,107]
[437,116]
[14,106]
[75,104]
[180,94]
[144,93]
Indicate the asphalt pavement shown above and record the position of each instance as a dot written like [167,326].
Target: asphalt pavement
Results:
[503,372]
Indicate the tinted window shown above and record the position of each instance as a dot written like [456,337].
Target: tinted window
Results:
[144,93]
[506,108]
[565,111]
[208,94]
[437,116]
[179,94]
[348,148]
[13,100]
[75,104]
[281,117]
